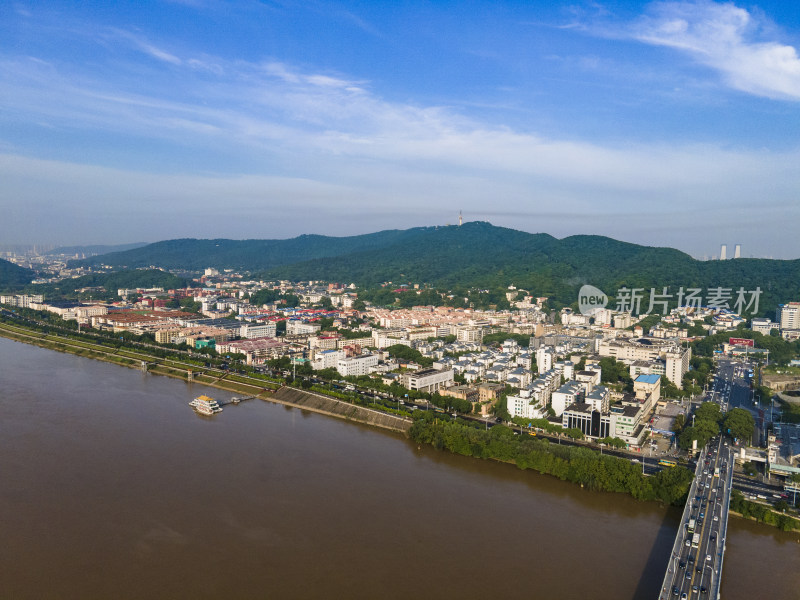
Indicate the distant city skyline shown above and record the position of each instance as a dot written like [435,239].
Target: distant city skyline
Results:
[665,124]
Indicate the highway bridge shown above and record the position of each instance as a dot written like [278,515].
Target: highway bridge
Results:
[695,564]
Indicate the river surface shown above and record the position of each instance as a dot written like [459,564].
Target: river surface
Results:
[112,487]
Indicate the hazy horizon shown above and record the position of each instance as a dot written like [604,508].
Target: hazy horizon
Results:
[709,256]
[670,123]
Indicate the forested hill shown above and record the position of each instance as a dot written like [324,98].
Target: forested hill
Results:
[247,255]
[475,255]
[482,255]
[13,277]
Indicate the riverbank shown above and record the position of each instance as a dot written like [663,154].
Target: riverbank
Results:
[578,465]
[263,390]
[590,470]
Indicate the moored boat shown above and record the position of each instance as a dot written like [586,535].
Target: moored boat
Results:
[205,405]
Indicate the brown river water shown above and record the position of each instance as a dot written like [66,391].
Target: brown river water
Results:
[112,487]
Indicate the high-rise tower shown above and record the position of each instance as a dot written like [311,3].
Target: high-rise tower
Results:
[723,252]
[737,251]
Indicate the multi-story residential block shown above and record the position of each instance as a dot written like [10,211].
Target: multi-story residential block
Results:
[544,359]
[570,393]
[788,316]
[590,378]
[676,358]
[763,326]
[357,366]
[22,300]
[327,359]
[677,365]
[257,350]
[324,342]
[470,334]
[258,330]
[463,392]
[526,405]
[297,327]
[598,399]
[428,380]
[489,392]
[647,388]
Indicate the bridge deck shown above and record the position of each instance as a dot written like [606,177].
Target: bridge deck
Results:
[695,564]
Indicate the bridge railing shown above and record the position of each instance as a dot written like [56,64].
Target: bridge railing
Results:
[723,532]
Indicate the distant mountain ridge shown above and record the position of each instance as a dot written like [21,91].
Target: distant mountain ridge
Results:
[94,250]
[247,255]
[476,254]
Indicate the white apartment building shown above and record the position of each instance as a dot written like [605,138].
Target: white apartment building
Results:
[677,365]
[566,368]
[676,358]
[470,334]
[570,393]
[763,326]
[294,327]
[85,312]
[21,300]
[357,366]
[598,399]
[258,330]
[544,359]
[526,405]
[590,378]
[427,380]
[327,359]
[788,316]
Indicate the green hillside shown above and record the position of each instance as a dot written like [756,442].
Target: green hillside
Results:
[475,255]
[482,255]
[246,255]
[13,277]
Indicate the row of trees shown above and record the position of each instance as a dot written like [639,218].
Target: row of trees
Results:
[763,513]
[569,463]
[545,425]
[709,420]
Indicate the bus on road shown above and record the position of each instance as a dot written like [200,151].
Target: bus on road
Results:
[668,462]
[695,540]
[691,525]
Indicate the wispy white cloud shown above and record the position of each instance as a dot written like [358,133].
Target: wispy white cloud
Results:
[726,38]
[323,144]
[147,47]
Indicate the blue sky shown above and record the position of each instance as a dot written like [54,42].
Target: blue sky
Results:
[667,123]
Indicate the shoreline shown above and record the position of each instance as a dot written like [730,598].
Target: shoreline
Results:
[302,399]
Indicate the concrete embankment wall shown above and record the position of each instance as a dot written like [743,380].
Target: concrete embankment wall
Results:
[340,409]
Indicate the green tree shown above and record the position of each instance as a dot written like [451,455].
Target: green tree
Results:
[740,424]
[613,371]
[708,411]
[680,421]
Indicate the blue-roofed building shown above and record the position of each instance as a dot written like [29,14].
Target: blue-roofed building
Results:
[648,390]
